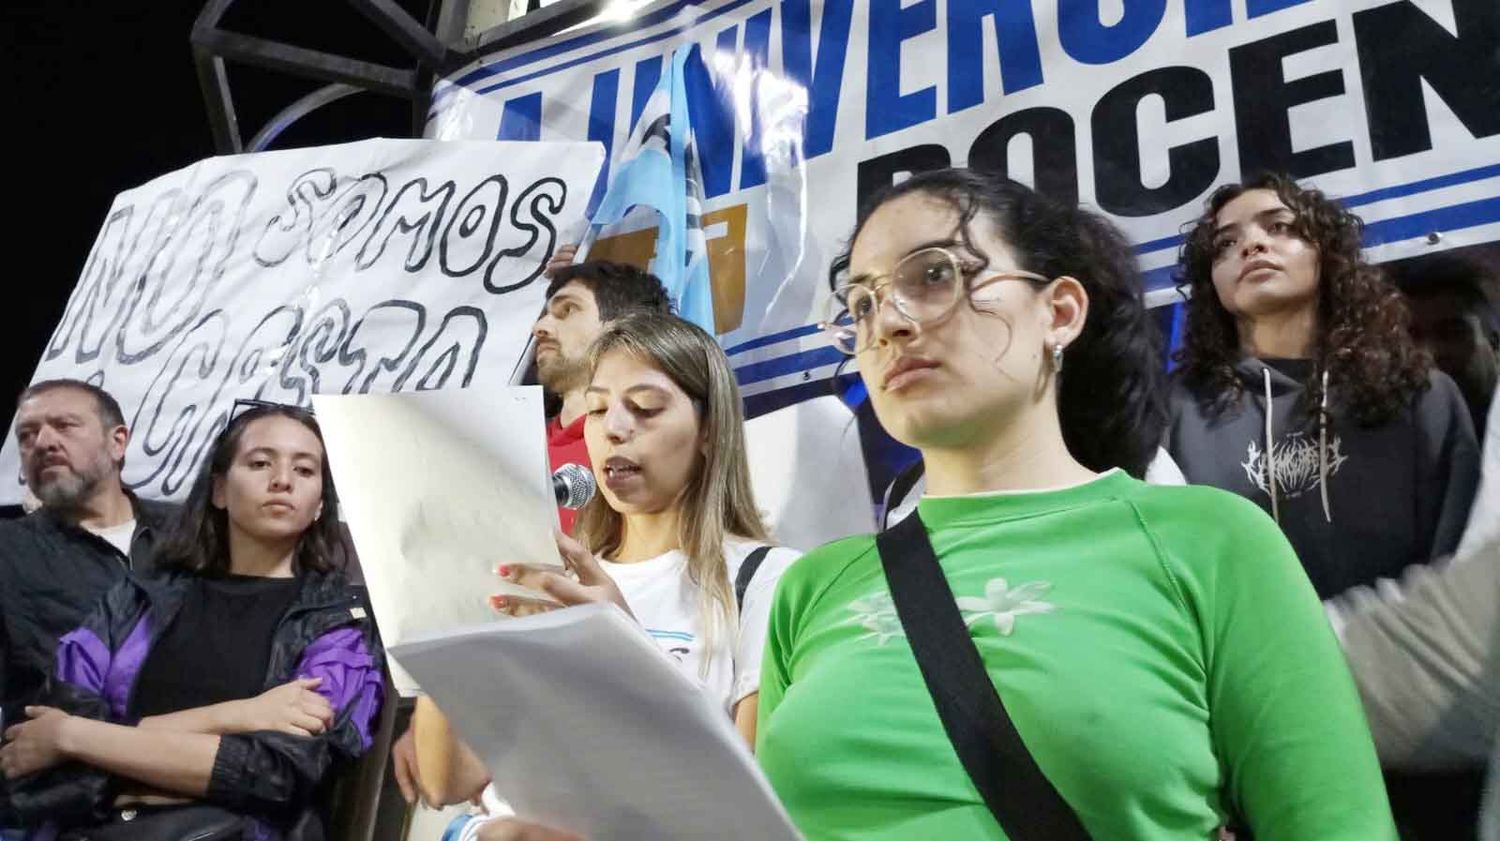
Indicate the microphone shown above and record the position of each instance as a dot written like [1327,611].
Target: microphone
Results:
[573,485]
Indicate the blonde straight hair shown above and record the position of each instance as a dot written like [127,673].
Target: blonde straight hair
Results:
[717,500]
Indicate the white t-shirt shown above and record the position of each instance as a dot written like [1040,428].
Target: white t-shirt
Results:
[118,536]
[665,602]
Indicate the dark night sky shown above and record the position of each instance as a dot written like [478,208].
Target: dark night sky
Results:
[104,97]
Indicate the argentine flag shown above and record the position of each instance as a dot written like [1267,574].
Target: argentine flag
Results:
[660,170]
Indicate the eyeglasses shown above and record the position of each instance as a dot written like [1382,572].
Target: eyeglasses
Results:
[247,404]
[924,286]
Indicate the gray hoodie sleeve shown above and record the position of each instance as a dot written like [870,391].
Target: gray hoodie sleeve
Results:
[1448,464]
[1425,654]
[1425,651]
[1484,519]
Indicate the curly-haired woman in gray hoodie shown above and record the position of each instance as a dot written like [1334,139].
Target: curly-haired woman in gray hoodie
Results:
[1299,387]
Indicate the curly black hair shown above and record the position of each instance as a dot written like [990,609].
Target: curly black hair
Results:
[200,542]
[1362,337]
[1109,398]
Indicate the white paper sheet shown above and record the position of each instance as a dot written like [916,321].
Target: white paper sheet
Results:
[586,725]
[438,488]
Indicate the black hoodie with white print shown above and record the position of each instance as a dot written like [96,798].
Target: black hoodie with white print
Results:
[1357,503]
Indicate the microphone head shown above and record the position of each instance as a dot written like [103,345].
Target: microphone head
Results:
[574,485]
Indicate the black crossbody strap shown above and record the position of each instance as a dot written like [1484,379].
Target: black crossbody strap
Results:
[747,573]
[1021,798]
[899,488]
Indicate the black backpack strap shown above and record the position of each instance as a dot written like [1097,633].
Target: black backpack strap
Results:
[747,572]
[899,488]
[1021,798]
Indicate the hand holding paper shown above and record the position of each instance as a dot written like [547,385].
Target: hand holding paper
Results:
[597,731]
[584,582]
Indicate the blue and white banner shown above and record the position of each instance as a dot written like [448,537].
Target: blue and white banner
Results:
[1135,107]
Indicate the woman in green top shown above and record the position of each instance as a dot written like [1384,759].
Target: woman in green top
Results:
[1159,648]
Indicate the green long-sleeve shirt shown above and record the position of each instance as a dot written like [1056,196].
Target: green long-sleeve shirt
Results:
[1159,649]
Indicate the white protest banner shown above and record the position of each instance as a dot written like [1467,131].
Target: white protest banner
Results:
[1134,107]
[380,266]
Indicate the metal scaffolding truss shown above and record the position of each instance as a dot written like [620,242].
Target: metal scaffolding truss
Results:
[435,51]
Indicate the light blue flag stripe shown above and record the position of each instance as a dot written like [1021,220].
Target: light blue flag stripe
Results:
[663,174]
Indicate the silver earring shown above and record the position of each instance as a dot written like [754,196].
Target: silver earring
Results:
[1057,358]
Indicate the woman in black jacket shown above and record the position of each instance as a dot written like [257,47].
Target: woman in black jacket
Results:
[1300,388]
[232,685]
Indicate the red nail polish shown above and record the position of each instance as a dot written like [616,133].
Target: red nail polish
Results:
[504,571]
[499,601]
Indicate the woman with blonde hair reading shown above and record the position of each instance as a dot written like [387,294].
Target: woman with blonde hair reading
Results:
[673,536]
[675,520]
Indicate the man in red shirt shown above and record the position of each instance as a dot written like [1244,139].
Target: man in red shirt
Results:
[581,299]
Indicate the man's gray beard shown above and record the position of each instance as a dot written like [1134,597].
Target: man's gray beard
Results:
[69,491]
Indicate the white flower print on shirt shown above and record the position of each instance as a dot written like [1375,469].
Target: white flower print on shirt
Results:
[876,613]
[1005,604]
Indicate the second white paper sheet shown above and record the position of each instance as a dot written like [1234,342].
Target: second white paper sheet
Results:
[438,487]
[586,725]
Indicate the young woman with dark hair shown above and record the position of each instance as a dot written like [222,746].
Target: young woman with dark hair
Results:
[232,686]
[1158,649]
[1300,389]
